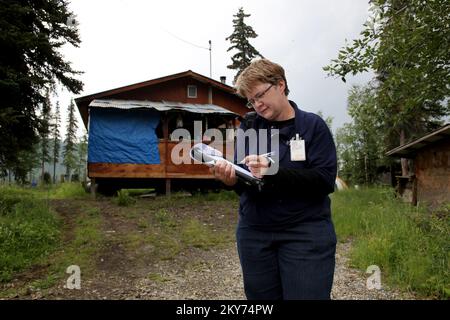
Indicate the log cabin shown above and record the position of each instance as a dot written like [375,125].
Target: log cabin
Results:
[130,131]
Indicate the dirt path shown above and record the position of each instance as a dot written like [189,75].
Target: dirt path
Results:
[130,270]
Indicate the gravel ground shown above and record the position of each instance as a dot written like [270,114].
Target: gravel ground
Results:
[203,274]
[350,284]
[217,275]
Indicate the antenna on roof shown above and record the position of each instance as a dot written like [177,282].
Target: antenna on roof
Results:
[192,44]
[210,61]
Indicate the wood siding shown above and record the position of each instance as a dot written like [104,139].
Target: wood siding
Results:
[432,171]
[184,167]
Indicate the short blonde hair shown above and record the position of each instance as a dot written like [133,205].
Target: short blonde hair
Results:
[262,70]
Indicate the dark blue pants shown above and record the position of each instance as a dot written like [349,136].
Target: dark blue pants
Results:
[296,263]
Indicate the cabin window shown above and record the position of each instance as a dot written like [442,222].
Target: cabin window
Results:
[192,91]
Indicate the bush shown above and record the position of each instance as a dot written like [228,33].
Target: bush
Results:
[47,178]
[124,199]
[10,196]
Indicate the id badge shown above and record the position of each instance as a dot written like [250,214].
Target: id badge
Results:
[298,150]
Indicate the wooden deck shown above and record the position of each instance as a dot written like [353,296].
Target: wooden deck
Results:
[167,169]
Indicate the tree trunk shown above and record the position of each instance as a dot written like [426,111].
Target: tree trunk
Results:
[42,171]
[54,172]
[365,169]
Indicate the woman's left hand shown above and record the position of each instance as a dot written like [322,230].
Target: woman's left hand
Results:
[258,165]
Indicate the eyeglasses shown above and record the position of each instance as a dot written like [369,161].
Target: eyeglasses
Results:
[251,103]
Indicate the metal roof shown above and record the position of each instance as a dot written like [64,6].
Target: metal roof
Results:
[189,73]
[160,106]
[411,147]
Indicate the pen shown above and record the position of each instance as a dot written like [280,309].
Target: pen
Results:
[267,155]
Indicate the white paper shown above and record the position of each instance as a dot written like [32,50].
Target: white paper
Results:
[209,156]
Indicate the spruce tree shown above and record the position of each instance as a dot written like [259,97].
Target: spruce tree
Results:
[70,149]
[27,160]
[32,33]
[56,138]
[240,41]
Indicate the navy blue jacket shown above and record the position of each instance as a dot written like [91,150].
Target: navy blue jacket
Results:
[299,190]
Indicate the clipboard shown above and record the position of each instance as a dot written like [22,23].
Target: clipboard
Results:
[209,156]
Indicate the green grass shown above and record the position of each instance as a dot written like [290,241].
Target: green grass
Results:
[29,231]
[170,237]
[124,199]
[217,196]
[164,218]
[31,234]
[87,240]
[66,190]
[80,251]
[165,234]
[410,245]
[157,278]
[196,234]
[166,245]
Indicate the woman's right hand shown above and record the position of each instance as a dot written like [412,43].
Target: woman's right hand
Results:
[224,172]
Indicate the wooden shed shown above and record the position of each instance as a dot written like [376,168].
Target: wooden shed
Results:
[429,181]
[130,130]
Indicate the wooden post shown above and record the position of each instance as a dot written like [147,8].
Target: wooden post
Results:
[166,146]
[93,188]
[167,187]
[414,190]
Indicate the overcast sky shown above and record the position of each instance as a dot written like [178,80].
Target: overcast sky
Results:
[129,41]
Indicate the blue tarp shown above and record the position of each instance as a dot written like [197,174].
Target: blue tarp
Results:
[123,136]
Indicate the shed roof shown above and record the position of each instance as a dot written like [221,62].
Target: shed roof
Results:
[160,106]
[409,149]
